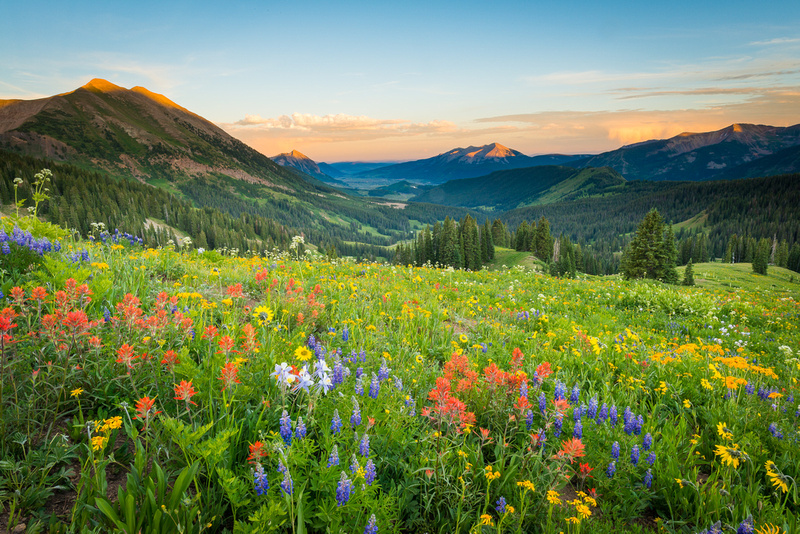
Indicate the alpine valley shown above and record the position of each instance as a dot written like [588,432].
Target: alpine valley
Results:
[107,144]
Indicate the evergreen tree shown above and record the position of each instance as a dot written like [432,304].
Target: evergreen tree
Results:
[761,257]
[668,256]
[651,253]
[793,261]
[783,254]
[522,236]
[688,274]
[498,233]
[542,244]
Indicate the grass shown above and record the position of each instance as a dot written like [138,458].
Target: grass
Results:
[740,276]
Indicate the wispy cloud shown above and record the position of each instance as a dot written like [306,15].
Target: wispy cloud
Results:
[338,125]
[777,41]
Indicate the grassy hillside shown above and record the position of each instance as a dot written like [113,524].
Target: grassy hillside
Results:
[740,276]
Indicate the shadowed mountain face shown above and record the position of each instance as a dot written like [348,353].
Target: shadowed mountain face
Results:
[732,152]
[132,132]
[461,163]
[509,189]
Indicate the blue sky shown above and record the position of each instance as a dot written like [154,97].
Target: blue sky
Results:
[405,80]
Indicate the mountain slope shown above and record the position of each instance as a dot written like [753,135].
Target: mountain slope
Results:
[455,164]
[132,132]
[135,133]
[509,189]
[697,156]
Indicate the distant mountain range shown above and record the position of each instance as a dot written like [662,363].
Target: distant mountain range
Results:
[460,163]
[306,165]
[738,151]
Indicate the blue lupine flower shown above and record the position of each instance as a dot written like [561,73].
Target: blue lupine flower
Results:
[287,486]
[312,342]
[523,390]
[372,526]
[746,526]
[542,439]
[651,458]
[363,447]
[577,432]
[412,405]
[286,428]
[370,472]
[647,442]
[635,455]
[773,428]
[345,334]
[591,412]
[355,419]
[749,388]
[611,469]
[333,459]
[354,465]
[648,478]
[630,425]
[359,387]
[529,419]
[577,413]
[615,450]
[106,315]
[344,489]
[260,480]
[557,423]
[638,424]
[383,372]
[542,403]
[6,248]
[501,505]
[281,468]
[398,383]
[300,430]
[374,387]
[612,415]
[575,395]
[336,422]
[359,372]
[338,372]
[603,415]
[561,388]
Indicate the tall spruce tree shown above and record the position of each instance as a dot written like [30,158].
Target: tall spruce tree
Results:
[761,256]
[651,253]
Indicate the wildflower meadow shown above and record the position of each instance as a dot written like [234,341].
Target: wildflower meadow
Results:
[181,390]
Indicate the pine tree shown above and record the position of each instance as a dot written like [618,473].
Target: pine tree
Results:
[761,257]
[651,253]
[542,244]
[688,274]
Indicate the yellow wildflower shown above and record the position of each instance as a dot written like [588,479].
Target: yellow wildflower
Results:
[76,392]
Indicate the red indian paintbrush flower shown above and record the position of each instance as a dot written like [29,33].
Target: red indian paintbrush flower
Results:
[571,449]
[145,409]
[125,355]
[229,375]
[184,391]
[170,359]
[257,452]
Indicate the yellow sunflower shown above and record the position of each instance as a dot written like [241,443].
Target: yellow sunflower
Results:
[302,353]
[263,315]
[731,455]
